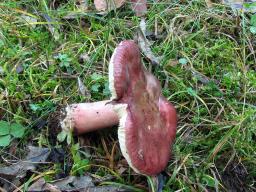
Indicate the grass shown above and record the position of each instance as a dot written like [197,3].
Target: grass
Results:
[213,88]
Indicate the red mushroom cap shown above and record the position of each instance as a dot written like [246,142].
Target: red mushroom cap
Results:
[147,126]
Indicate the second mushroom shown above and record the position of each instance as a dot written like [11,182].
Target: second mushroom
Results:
[147,121]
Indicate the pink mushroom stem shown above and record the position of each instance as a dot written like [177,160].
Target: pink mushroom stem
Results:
[87,117]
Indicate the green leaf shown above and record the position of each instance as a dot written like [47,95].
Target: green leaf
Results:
[75,147]
[106,90]
[69,138]
[4,128]
[17,130]
[5,140]
[253,29]
[64,60]
[95,87]
[62,136]
[1,43]
[81,166]
[253,20]
[191,92]
[34,107]
[249,4]
[183,61]
[96,76]
[64,64]
[62,57]
[210,181]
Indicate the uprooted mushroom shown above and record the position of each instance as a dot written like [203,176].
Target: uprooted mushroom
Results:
[147,121]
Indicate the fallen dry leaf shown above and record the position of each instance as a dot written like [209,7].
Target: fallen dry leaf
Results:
[107,189]
[108,5]
[71,183]
[208,3]
[29,20]
[82,88]
[19,69]
[52,26]
[84,57]
[18,170]
[241,5]
[82,5]
[139,7]
[10,176]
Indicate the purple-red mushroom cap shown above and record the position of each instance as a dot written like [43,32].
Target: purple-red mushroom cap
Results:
[147,125]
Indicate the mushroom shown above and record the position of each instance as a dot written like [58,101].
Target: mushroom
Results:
[86,117]
[147,121]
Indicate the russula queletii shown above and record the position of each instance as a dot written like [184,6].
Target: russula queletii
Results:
[147,121]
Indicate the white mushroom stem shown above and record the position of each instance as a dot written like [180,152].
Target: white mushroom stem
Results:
[87,117]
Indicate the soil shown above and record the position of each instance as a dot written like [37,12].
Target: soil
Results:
[235,178]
